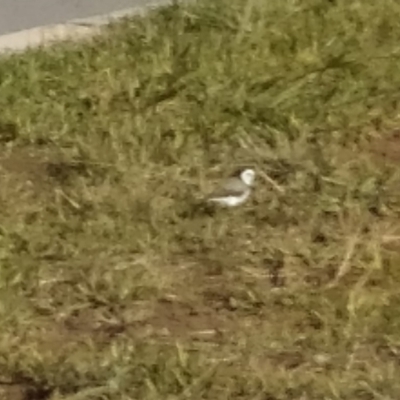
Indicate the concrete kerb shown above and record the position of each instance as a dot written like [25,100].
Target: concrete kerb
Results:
[75,29]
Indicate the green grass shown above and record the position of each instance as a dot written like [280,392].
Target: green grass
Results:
[112,286]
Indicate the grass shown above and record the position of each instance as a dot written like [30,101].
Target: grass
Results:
[113,287]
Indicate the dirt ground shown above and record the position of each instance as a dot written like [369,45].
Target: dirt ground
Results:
[31,175]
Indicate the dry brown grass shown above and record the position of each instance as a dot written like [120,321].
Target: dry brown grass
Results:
[113,285]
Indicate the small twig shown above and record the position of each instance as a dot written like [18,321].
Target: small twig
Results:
[272,182]
[345,265]
[390,238]
[70,201]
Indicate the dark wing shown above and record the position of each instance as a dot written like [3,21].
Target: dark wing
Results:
[230,188]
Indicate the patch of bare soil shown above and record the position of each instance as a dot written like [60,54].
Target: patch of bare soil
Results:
[22,391]
[39,168]
[161,318]
[12,391]
[385,153]
[387,148]
[183,319]
[30,176]
[96,323]
[24,169]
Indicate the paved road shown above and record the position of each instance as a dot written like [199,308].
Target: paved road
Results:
[16,15]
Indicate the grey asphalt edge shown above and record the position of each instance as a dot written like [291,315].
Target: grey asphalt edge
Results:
[74,29]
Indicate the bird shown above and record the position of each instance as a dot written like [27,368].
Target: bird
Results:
[235,190]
